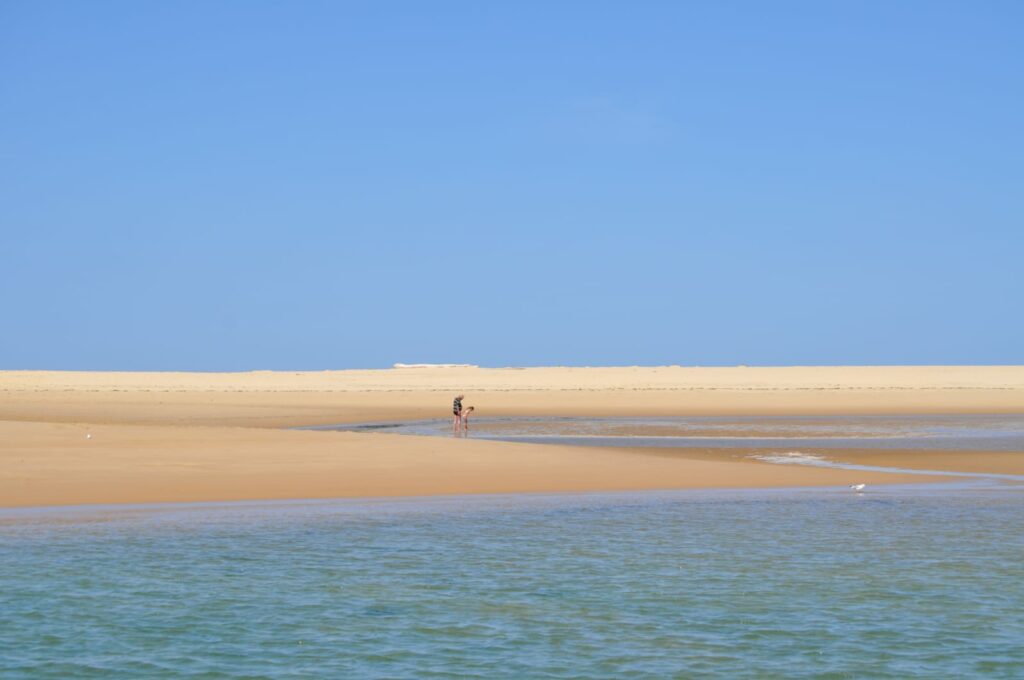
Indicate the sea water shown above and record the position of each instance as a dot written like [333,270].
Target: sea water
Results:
[897,582]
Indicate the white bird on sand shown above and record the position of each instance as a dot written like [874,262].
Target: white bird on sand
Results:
[859,488]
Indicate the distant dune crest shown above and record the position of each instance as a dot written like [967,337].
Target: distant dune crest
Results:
[435,366]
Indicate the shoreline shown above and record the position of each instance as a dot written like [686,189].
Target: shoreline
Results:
[193,437]
[56,465]
[97,511]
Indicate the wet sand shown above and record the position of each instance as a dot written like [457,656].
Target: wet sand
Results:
[159,437]
[971,462]
[54,464]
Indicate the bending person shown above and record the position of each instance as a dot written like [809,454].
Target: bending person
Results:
[465,417]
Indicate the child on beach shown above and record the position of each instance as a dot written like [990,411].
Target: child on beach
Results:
[465,418]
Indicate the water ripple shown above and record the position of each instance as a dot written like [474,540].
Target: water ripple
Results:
[761,584]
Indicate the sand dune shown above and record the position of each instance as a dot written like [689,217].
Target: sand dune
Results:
[447,378]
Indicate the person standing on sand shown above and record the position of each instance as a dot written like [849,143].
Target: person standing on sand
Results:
[457,415]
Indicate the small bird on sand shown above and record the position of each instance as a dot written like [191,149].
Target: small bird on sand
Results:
[859,488]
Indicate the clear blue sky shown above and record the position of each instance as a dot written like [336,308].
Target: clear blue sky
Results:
[307,185]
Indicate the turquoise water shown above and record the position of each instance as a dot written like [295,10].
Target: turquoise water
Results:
[898,582]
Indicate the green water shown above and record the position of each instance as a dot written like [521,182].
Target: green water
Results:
[899,582]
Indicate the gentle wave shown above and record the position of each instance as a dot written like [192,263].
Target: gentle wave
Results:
[794,458]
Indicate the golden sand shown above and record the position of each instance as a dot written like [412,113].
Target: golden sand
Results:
[160,437]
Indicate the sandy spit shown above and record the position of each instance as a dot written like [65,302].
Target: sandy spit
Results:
[160,437]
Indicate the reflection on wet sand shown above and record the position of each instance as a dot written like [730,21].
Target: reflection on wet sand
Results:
[987,444]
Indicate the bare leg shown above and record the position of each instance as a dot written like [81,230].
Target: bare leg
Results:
[456,423]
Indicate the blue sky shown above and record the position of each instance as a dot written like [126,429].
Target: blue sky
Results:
[311,185]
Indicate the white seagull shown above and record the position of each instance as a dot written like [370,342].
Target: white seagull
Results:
[859,488]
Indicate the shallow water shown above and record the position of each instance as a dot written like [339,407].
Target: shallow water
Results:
[944,432]
[894,583]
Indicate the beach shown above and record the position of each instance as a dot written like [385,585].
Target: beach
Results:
[107,437]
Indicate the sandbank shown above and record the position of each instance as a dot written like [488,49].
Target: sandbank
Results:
[160,437]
